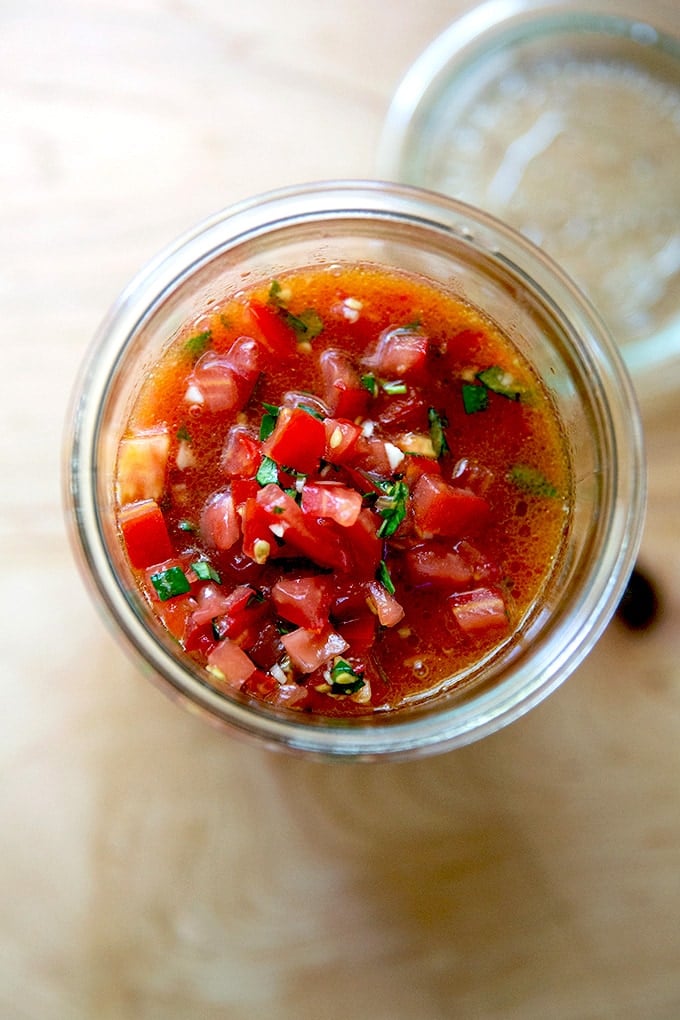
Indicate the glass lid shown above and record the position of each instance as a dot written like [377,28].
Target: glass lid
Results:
[563,119]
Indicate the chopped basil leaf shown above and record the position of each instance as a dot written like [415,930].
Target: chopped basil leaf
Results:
[255,599]
[475,398]
[204,571]
[498,380]
[370,383]
[170,582]
[183,434]
[197,344]
[186,526]
[307,324]
[384,577]
[269,419]
[267,472]
[392,507]
[437,425]
[394,388]
[284,627]
[274,296]
[345,680]
[532,480]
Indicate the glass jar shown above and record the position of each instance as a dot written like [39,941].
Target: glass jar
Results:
[486,264]
[562,118]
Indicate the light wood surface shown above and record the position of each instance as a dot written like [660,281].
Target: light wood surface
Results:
[153,868]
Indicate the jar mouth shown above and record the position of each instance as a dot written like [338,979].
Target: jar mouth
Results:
[511,98]
[450,242]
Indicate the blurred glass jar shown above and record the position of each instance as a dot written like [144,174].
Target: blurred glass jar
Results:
[486,264]
[562,117]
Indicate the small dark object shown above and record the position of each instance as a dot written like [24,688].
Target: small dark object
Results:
[639,605]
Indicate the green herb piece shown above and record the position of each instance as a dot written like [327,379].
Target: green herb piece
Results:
[370,383]
[311,410]
[198,344]
[307,324]
[392,507]
[169,583]
[475,398]
[269,419]
[344,679]
[384,577]
[274,295]
[392,389]
[183,434]
[499,380]
[205,571]
[410,327]
[267,472]
[255,599]
[186,526]
[284,627]
[437,425]
[532,480]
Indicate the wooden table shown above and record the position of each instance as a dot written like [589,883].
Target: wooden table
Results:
[152,868]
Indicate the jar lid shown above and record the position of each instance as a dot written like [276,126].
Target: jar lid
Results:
[563,121]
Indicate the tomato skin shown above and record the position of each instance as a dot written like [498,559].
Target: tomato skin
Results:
[304,601]
[298,441]
[401,354]
[220,525]
[226,381]
[145,533]
[241,453]
[343,391]
[441,509]
[332,500]
[309,649]
[479,610]
[432,564]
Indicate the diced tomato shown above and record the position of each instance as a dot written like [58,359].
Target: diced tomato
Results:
[261,685]
[408,413]
[342,388]
[175,614]
[400,354]
[434,564]
[271,331]
[484,570]
[242,489]
[226,381]
[213,601]
[441,509]
[309,649]
[241,453]
[274,513]
[341,440]
[145,533]
[364,546]
[333,500]
[359,633]
[388,610]
[220,525]
[298,440]
[414,467]
[479,610]
[472,475]
[267,648]
[305,601]
[232,662]
[142,465]
[243,624]
[371,455]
